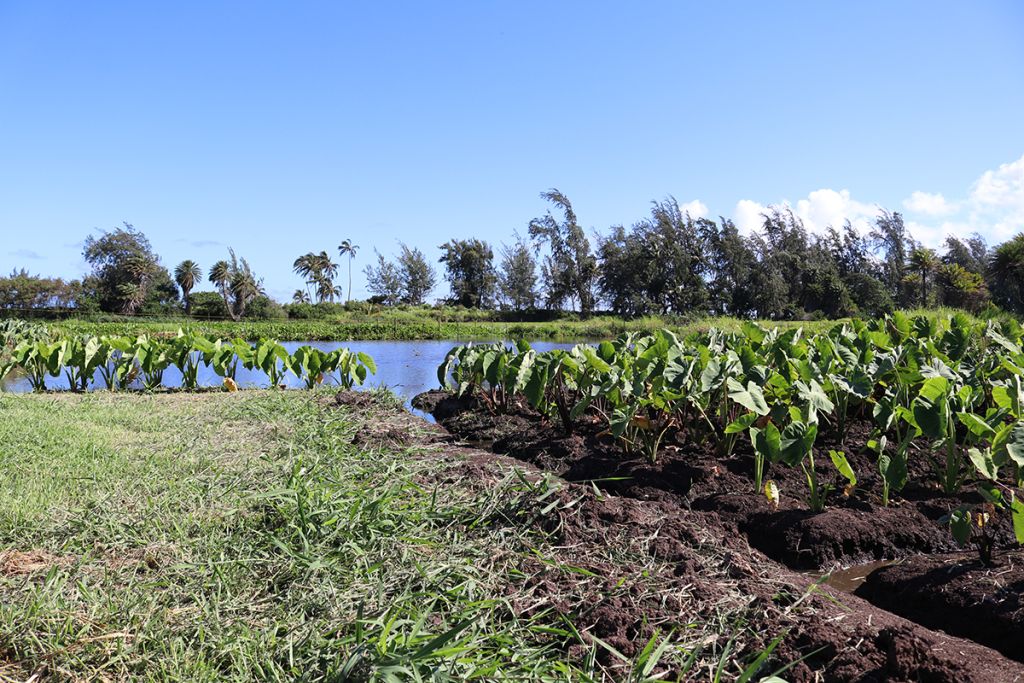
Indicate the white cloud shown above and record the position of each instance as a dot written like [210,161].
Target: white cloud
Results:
[819,210]
[825,207]
[929,204]
[993,208]
[934,235]
[997,201]
[747,216]
[696,208]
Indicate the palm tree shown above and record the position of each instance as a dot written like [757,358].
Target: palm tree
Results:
[237,283]
[300,297]
[244,288]
[325,272]
[305,266]
[1006,274]
[349,249]
[220,276]
[924,261]
[133,293]
[187,274]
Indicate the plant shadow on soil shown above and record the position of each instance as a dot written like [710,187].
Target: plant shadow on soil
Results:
[842,637]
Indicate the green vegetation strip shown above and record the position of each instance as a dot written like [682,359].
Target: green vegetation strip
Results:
[403,328]
[242,536]
[948,391]
[119,361]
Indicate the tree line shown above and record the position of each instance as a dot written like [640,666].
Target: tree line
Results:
[666,263]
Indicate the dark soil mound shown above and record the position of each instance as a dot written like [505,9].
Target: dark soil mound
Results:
[854,528]
[958,595]
[692,498]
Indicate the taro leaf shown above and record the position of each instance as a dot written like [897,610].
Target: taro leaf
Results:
[960,525]
[893,470]
[748,359]
[750,398]
[489,366]
[936,368]
[878,445]
[595,361]
[848,355]
[1009,397]
[931,407]
[883,414]
[1002,341]
[367,360]
[709,378]
[444,368]
[797,441]
[621,419]
[524,371]
[991,494]
[984,463]
[899,325]
[814,395]
[606,350]
[1017,513]
[535,385]
[976,425]
[677,371]
[753,331]
[1002,397]
[1011,367]
[843,465]
[742,422]
[1015,444]
[767,441]
[861,385]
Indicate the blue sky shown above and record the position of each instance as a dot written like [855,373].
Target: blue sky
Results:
[280,128]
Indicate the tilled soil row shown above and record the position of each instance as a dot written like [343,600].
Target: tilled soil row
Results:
[690,500]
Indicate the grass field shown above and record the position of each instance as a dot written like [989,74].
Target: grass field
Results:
[245,537]
[419,324]
[399,329]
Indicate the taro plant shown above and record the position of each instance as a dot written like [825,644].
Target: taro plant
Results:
[931,415]
[120,369]
[224,357]
[153,358]
[354,367]
[818,492]
[82,358]
[272,358]
[187,352]
[764,435]
[892,465]
[312,365]
[39,360]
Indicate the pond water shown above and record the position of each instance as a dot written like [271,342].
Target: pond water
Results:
[406,367]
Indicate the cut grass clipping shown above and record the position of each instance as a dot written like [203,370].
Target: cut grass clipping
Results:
[244,536]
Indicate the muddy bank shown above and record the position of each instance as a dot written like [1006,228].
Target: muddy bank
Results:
[832,636]
[957,594]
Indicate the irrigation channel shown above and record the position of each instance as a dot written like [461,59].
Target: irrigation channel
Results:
[406,367]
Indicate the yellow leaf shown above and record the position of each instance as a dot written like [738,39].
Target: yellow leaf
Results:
[771,492]
[230,384]
[642,422]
